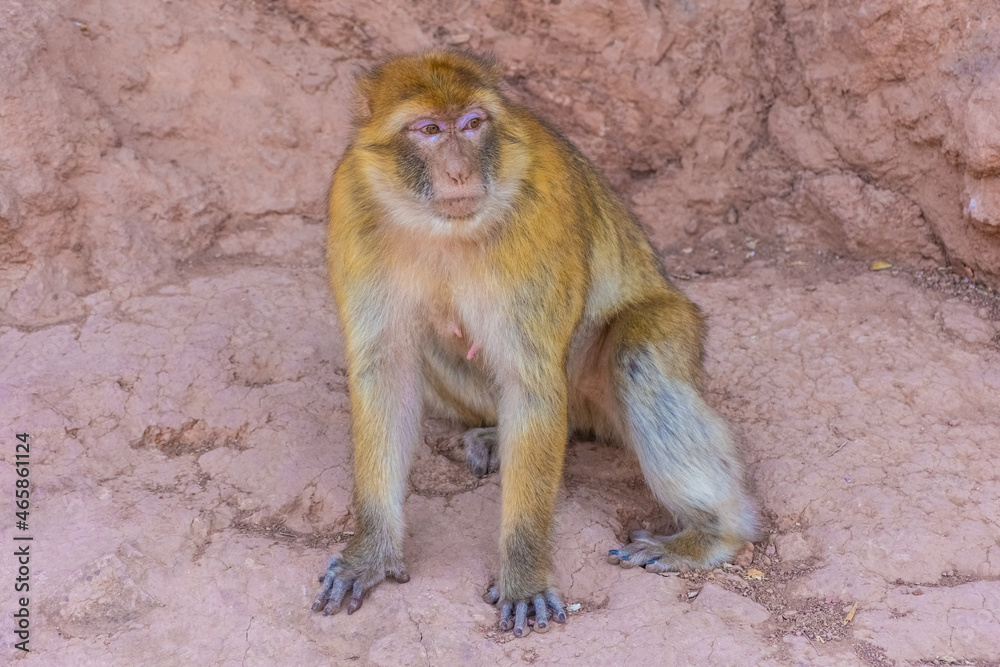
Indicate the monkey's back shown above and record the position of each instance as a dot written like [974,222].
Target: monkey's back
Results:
[620,266]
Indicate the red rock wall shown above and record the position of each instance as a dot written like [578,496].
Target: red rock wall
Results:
[136,136]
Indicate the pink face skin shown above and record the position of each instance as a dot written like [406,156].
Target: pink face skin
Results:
[451,147]
[432,129]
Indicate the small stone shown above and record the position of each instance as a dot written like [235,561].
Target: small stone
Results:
[961,270]
[793,547]
[744,557]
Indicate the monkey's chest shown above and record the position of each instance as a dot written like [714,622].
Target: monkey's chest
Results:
[450,329]
[457,300]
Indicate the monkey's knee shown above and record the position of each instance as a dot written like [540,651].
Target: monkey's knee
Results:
[482,450]
[663,337]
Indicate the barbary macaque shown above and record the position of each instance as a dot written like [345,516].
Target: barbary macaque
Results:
[485,272]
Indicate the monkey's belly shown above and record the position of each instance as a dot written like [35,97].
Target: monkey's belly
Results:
[457,385]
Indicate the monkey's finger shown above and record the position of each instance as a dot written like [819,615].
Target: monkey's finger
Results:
[492,595]
[521,620]
[506,616]
[357,597]
[621,556]
[324,593]
[541,615]
[559,613]
[657,567]
[336,597]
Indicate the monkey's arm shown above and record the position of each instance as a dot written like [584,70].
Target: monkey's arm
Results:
[533,432]
[527,351]
[384,370]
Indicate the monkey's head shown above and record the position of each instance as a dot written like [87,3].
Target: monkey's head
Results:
[430,128]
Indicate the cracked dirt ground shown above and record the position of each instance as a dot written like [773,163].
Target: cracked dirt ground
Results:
[190,476]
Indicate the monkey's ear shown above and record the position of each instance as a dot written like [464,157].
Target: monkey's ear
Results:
[364,89]
[492,68]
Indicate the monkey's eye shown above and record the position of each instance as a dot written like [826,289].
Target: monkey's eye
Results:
[472,120]
[430,128]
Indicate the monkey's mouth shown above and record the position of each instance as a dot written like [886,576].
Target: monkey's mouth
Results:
[456,208]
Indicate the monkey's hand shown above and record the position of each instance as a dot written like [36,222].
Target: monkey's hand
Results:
[346,575]
[522,614]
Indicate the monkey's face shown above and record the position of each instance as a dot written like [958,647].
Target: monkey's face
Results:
[432,143]
[448,159]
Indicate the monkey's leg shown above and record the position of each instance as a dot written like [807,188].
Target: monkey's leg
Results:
[533,444]
[456,390]
[685,451]
[385,381]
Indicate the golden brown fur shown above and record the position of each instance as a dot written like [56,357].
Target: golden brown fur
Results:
[485,271]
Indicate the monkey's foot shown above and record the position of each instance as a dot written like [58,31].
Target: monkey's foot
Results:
[342,578]
[481,450]
[522,615]
[663,553]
